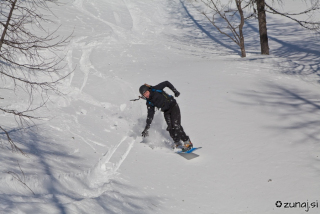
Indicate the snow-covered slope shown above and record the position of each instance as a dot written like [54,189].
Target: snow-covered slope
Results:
[257,118]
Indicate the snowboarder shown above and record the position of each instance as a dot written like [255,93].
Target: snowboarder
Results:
[156,97]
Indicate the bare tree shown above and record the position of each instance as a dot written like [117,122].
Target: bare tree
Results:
[233,26]
[262,19]
[262,7]
[29,57]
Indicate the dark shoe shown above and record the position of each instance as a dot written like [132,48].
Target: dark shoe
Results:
[187,145]
[177,145]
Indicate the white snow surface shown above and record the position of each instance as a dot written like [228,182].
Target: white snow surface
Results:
[256,118]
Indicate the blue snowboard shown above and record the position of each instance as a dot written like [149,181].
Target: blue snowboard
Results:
[189,151]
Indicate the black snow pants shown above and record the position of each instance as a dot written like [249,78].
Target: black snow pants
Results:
[173,119]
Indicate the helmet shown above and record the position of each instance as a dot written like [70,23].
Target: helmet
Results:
[143,89]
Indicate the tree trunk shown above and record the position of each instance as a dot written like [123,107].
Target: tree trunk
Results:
[263,27]
[7,24]
[241,37]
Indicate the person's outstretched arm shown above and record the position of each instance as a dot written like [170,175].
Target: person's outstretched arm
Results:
[164,84]
[150,116]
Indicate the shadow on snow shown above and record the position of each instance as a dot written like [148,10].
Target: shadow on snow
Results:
[57,185]
[295,108]
[294,55]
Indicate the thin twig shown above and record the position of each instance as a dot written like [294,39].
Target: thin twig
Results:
[17,177]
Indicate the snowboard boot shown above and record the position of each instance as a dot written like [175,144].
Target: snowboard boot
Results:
[177,145]
[187,145]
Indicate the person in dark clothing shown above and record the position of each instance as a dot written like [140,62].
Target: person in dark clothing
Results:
[156,97]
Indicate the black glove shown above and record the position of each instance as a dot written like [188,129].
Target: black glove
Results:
[145,132]
[176,93]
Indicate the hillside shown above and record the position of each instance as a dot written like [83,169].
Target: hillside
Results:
[256,118]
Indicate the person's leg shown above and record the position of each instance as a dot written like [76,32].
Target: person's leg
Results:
[179,133]
[167,117]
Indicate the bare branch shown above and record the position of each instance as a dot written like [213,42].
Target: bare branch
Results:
[8,21]
[31,56]
[17,177]
[218,28]
[305,24]
[14,147]
[223,12]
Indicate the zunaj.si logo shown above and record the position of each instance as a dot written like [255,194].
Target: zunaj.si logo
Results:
[278,204]
[306,205]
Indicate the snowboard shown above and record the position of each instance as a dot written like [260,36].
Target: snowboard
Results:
[189,151]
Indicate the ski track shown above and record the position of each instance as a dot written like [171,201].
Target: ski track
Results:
[85,64]
[92,181]
[104,169]
[124,156]
[83,140]
[118,32]
[112,151]
[89,183]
